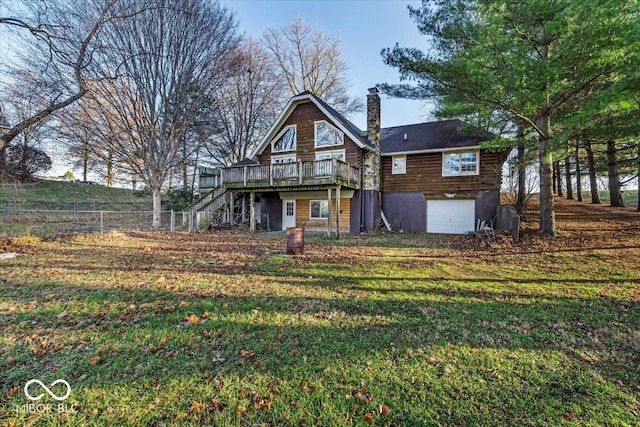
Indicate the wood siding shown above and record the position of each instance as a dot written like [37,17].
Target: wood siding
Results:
[304,116]
[424,174]
[303,218]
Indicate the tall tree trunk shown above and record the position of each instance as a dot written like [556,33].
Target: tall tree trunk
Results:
[195,170]
[521,197]
[558,178]
[554,178]
[85,161]
[614,177]
[567,177]
[134,180]
[578,173]
[547,215]
[3,162]
[25,156]
[185,172]
[110,168]
[157,208]
[638,209]
[593,179]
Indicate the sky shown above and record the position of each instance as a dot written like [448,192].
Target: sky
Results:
[364,27]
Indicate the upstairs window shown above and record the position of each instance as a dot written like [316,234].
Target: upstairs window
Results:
[335,154]
[326,135]
[399,165]
[462,163]
[285,140]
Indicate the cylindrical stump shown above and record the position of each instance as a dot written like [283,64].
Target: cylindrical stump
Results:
[295,240]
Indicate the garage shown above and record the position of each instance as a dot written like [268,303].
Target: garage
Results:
[451,216]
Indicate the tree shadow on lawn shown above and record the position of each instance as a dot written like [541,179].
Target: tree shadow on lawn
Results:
[552,351]
[345,326]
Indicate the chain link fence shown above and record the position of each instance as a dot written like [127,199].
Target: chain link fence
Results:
[15,223]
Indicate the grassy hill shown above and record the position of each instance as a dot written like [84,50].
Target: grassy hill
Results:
[69,195]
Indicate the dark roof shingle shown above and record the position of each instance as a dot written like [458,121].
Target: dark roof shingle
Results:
[429,136]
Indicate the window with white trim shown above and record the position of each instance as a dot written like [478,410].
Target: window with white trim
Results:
[278,160]
[461,163]
[399,165]
[334,154]
[327,135]
[285,140]
[319,209]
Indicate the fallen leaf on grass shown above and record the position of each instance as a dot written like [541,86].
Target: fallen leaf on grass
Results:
[184,304]
[362,395]
[13,391]
[368,418]
[61,315]
[261,402]
[197,407]
[308,389]
[191,319]
[247,353]
[216,405]
[384,410]
[95,360]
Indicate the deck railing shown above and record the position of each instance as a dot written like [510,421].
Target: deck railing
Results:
[319,172]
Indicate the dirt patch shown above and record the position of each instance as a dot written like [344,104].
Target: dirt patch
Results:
[583,225]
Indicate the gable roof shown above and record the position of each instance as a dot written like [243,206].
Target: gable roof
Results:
[355,130]
[430,136]
[337,119]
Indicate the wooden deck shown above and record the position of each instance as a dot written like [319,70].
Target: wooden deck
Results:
[319,173]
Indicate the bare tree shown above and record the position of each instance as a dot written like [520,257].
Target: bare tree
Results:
[522,181]
[244,107]
[63,39]
[312,60]
[168,58]
[25,155]
[89,129]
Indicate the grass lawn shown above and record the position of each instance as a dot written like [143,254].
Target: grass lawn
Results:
[224,329]
[42,194]
[630,197]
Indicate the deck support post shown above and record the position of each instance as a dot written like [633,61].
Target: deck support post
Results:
[300,173]
[337,211]
[252,212]
[329,220]
[244,207]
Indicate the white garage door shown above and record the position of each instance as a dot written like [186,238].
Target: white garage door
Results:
[451,216]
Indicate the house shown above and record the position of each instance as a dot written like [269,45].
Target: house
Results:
[316,169]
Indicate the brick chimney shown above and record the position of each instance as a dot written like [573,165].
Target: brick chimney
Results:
[372,166]
[373,116]
[372,174]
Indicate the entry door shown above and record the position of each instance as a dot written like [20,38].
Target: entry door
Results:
[288,214]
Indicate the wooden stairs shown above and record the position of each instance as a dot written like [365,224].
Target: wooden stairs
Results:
[208,209]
